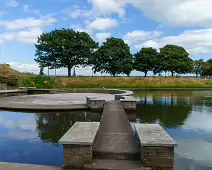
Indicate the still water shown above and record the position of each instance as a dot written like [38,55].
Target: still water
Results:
[186,116]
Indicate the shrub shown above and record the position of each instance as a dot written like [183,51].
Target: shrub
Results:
[38,82]
[9,79]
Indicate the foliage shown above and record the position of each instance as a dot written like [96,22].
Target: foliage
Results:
[207,68]
[175,59]
[134,82]
[64,48]
[145,60]
[113,57]
[199,67]
[9,79]
[38,82]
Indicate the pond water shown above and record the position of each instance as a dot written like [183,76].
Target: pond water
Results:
[186,115]
[32,137]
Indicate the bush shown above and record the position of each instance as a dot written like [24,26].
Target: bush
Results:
[38,82]
[9,79]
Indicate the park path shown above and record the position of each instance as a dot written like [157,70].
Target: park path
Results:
[116,146]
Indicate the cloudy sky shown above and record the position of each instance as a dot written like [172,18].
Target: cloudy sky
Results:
[141,23]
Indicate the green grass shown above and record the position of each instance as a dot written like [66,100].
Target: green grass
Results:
[133,82]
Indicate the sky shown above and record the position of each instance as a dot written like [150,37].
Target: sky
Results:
[140,23]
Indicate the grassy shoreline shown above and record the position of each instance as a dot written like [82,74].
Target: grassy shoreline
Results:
[133,82]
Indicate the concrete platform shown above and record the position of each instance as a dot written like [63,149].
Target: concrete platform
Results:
[81,133]
[105,164]
[15,166]
[48,102]
[115,138]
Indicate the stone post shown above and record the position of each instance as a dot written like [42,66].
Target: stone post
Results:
[77,144]
[157,147]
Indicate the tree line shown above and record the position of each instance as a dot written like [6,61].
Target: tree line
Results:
[68,48]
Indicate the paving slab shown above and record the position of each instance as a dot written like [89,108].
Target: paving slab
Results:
[153,135]
[81,133]
[63,101]
[104,164]
[115,134]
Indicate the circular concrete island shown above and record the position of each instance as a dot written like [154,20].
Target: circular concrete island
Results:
[58,101]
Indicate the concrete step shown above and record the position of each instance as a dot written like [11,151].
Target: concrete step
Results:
[116,146]
[110,164]
[116,155]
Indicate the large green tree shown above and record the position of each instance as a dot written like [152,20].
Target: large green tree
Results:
[64,48]
[207,68]
[145,60]
[175,59]
[198,67]
[113,57]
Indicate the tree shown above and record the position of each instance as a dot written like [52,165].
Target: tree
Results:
[66,47]
[207,68]
[113,57]
[175,59]
[41,71]
[145,60]
[198,66]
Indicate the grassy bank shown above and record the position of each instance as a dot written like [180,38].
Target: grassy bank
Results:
[133,82]
[17,79]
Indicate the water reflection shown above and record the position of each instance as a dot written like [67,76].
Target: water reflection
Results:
[32,138]
[187,117]
[51,127]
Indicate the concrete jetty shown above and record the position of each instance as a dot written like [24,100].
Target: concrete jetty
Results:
[114,144]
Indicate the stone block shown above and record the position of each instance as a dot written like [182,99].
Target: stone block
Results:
[75,156]
[158,162]
[158,151]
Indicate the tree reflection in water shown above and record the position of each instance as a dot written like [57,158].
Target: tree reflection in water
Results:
[52,126]
[168,108]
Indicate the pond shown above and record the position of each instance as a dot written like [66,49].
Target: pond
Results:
[186,116]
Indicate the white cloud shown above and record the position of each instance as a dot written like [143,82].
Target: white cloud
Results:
[28,9]
[30,36]
[102,24]
[27,23]
[101,7]
[173,12]
[140,35]
[78,27]
[195,41]
[78,13]
[12,3]
[177,12]
[101,37]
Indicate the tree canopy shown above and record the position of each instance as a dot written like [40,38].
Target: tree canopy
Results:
[64,48]
[113,57]
[199,67]
[145,60]
[175,59]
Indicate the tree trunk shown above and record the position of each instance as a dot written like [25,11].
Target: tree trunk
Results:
[196,75]
[145,74]
[48,71]
[172,73]
[69,71]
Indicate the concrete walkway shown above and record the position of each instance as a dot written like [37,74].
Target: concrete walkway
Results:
[15,166]
[115,143]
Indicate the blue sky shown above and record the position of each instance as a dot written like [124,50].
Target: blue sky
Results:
[141,23]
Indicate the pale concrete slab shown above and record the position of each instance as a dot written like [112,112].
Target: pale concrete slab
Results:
[153,135]
[16,166]
[81,133]
[62,101]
